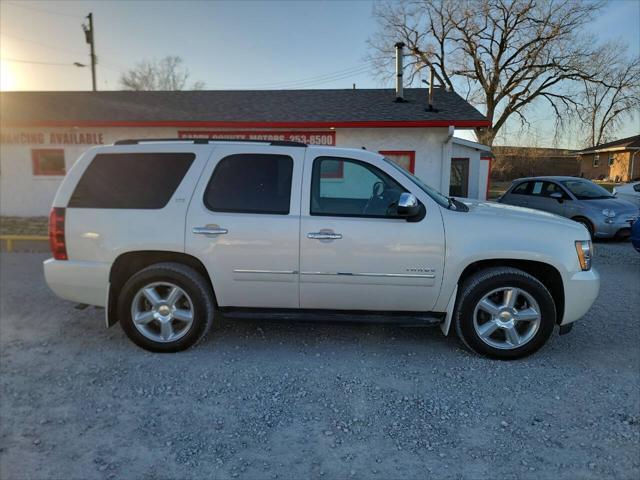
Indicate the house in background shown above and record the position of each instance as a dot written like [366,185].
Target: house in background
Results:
[618,161]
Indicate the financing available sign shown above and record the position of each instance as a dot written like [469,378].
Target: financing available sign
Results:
[310,138]
[51,138]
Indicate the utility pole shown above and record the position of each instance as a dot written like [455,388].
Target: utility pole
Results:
[90,37]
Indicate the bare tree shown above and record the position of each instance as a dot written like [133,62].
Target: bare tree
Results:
[502,55]
[605,105]
[164,74]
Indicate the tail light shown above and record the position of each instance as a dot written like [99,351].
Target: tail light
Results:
[56,234]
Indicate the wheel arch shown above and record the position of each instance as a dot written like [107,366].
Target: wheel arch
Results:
[547,274]
[127,264]
[580,218]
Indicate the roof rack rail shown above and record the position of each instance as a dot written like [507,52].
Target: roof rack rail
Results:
[205,141]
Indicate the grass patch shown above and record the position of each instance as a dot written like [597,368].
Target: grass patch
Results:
[497,188]
[24,225]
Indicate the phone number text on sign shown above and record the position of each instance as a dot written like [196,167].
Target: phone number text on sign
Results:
[311,138]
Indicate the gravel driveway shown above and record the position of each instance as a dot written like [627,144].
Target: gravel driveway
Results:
[290,400]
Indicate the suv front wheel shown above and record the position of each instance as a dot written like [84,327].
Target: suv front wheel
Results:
[504,313]
[166,307]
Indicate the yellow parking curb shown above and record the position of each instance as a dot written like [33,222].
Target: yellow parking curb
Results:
[12,238]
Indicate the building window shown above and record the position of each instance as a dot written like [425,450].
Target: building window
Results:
[332,169]
[405,158]
[48,161]
[596,160]
[611,158]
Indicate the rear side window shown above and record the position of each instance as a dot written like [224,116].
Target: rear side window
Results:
[131,180]
[251,183]
[521,189]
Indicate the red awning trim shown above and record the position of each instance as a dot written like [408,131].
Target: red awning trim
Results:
[207,124]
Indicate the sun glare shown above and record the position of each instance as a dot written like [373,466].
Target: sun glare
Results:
[7,77]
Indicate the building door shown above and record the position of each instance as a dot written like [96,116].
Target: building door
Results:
[459,180]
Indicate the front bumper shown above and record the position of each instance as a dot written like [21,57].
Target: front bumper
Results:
[82,282]
[580,291]
[619,224]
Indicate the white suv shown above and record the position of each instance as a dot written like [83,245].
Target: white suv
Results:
[169,234]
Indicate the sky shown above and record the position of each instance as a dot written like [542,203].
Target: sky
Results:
[240,44]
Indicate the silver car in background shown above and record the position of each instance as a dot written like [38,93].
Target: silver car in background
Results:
[604,215]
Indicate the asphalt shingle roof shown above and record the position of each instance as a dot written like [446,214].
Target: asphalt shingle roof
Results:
[629,142]
[287,106]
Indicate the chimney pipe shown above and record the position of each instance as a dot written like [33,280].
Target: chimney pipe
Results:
[399,69]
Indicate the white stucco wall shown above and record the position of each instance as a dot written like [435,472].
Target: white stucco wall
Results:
[427,143]
[24,194]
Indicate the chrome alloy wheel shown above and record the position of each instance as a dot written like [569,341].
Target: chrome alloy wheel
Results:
[162,312]
[507,318]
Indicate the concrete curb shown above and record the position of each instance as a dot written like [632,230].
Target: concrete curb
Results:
[24,243]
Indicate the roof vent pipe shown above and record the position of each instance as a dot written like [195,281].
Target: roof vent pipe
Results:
[399,69]
[430,107]
[431,89]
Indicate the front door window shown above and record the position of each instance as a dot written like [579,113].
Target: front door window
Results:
[361,190]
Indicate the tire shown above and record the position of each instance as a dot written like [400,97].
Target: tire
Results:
[530,296]
[186,300]
[587,224]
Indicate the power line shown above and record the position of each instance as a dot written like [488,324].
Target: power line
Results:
[18,60]
[110,65]
[317,79]
[314,78]
[323,81]
[42,10]
[22,39]
[311,83]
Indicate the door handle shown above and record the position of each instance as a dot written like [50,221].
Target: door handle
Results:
[209,230]
[324,236]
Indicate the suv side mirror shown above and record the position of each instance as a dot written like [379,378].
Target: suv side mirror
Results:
[409,207]
[558,196]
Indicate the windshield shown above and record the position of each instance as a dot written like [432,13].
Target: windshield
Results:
[586,190]
[432,192]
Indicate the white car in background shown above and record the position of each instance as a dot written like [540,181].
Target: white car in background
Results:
[167,235]
[629,191]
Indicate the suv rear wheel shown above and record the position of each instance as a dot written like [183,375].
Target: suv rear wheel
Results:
[166,307]
[504,313]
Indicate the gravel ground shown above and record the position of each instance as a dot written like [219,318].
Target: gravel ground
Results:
[290,400]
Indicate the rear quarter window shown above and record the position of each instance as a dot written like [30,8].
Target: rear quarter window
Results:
[131,180]
[521,189]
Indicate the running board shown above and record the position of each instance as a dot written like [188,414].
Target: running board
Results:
[422,319]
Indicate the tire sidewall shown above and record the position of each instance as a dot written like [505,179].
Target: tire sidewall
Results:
[163,274]
[477,292]
[588,225]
